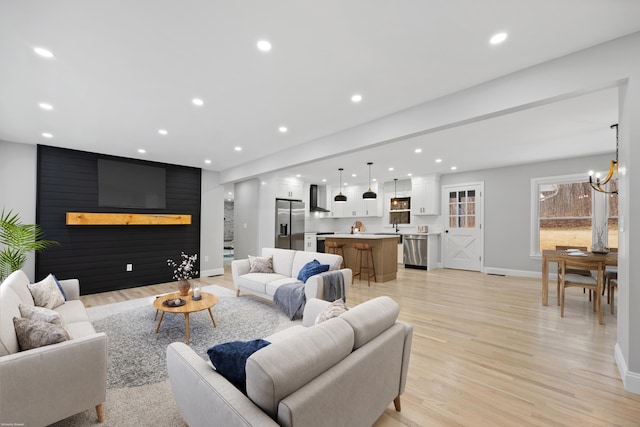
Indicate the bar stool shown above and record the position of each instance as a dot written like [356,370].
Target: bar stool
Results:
[333,248]
[360,260]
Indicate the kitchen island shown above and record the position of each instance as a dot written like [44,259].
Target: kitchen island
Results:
[385,253]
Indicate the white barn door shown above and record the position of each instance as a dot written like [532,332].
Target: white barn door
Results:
[463,234]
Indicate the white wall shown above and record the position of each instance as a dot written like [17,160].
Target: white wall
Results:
[211,225]
[18,186]
[246,214]
[508,210]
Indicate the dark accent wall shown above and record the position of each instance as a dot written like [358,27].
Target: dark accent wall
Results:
[97,255]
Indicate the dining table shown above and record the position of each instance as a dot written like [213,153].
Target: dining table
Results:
[549,256]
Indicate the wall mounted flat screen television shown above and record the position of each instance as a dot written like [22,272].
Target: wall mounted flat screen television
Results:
[131,185]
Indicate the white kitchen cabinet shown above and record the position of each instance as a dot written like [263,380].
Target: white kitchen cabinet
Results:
[310,243]
[290,189]
[337,209]
[356,206]
[425,195]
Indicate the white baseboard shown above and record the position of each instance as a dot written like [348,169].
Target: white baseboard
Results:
[212,272]
[631,380]
[517,273]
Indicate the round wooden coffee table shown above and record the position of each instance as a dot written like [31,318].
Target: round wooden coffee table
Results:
[205,303]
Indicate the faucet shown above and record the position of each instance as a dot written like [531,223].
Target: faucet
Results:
[395,225]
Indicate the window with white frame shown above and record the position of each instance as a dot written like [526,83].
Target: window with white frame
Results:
[567,212]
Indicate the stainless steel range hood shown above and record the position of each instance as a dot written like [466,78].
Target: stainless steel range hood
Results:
[315,194]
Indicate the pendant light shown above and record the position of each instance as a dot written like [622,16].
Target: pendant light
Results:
[369,194]
[394,202]
[340,198]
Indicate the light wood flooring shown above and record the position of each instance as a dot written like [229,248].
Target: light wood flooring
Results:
[487,353]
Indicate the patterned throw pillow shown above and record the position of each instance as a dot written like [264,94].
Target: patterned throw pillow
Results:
[40,313]
[334,309]
[34,333]
[261,264]
[46,293]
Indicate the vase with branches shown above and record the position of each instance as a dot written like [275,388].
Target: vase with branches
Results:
[16,241]
[599,245]
[183,271]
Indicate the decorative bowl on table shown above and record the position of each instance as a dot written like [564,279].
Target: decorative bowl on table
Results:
[174,302]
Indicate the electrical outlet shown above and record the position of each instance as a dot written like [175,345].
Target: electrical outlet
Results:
[129,267]
[206,258]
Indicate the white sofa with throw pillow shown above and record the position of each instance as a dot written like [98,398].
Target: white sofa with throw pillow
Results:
[345,371]
[53,364]
[286,265]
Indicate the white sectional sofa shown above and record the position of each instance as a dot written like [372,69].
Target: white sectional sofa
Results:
[46,384]
[345,371]
[286,266]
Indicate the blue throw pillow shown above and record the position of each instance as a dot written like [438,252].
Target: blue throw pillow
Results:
[311,269]
[230,359]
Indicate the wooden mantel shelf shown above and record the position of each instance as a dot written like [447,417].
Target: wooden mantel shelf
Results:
[90,218]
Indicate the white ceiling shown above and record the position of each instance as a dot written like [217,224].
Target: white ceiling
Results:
[125,69]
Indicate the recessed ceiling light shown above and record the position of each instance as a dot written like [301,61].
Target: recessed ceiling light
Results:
[409,174]
[356,98]
[43,52]
[238,148]
[390,169]
[353,175]
[207,161]
[230,193]
[418,150]
[374,179]
[454,168]
[47,135]
[498,38]
[197,101]
[324,179]
[298,176]
[46,106]
[264,45]
[142,150]
[438,160]
[283,129]
[162,131]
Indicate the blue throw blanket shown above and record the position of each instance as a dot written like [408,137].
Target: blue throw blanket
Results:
[333,286]
[290,297]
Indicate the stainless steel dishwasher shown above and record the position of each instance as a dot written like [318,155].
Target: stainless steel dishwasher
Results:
[415,251]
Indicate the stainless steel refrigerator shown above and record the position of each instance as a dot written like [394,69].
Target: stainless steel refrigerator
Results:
[289,224]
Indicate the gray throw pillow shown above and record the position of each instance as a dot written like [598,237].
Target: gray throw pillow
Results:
[334,309]
[34,333]
[40,313]
[46,293]
[261,264]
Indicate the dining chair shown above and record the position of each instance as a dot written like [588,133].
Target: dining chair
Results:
[613,285]
[581,272]
[591,283]
[610,273]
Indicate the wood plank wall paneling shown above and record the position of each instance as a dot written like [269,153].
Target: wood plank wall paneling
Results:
[97,255]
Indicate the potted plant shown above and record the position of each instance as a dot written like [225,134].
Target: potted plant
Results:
[18,240]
